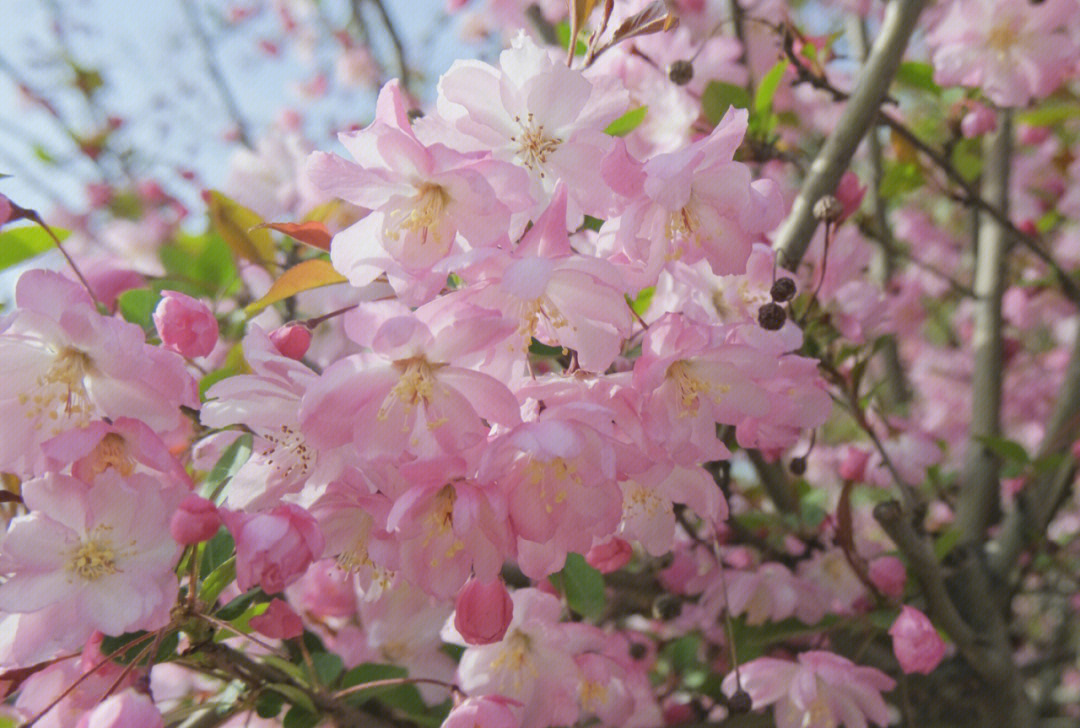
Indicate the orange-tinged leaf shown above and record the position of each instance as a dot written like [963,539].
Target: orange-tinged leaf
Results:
[579,13]
[314,273]
[239,227]
[311,233]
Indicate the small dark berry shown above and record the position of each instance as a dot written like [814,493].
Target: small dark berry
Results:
[798,466]
[680,72]
[783,289]
[771,316]
[638,650]
[667,606]
[740,702]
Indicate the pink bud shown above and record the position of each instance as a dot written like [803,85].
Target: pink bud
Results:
[278,622]
[185,324]
[853,466]
[609,556]
[888,574]
[1032,135]
[490,711]
[483,611]
[98,194]
[273,548]
[917,645]
[850,193]
[977,122]
[195,520]
[5,209]
[291,340]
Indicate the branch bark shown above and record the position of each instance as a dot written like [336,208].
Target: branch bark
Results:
[980,486]
[859,114]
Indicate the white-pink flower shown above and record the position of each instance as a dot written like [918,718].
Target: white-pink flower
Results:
[98,555]
[821,690]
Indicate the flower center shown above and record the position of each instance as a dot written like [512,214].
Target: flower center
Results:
[1002,38]
[112,452]
[93,559]
[534,144]
[416,386]
[424,214]
[63,384]
[287,451]
[689,387]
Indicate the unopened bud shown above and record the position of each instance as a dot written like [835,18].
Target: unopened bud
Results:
[783,289]
[291,340]
[680,72]
[771,316]
[828,209]
[797,466]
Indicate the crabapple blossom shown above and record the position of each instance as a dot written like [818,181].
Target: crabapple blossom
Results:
[185,324]
[291,340]
[278,621]
[97,555]
[820,689]
[483,611]
[127,709]
[490,711]
[195,520]
[66,365]
[916,643]
[273,548]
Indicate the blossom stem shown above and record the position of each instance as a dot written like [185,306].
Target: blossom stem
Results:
[33,216]
[392,681]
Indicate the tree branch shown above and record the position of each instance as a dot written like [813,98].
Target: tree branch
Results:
[979,481]
[860,112]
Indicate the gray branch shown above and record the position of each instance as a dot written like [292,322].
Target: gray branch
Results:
[861,111]
[979,493]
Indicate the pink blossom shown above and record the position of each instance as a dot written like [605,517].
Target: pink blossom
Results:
[292,340]
[127,709]
[918,646]
[412,396]
[977,121]
[850,193]
[66,365]
[278,622]
[821,689]
[482,611]
[609,555]
[421,196]
[1011,49]
[6,211]
[273,548]
[98,554]
[696,203]
[126,445]
[853,465]
[490,711]
[889,575]
[530,665]
[195,520]
[537,113]
[185,324]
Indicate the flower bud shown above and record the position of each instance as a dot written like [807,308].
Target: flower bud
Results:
[278,622]
[917,645]
[888,574]
[483,611]
[783,289]
[828,209]
[291,340]
[195,520]
[978,121]
[5,209]
[273,548]
[490,711]
[680,72]
[853,466]
[609,556]
[771,316]
[850,194]
[185,324]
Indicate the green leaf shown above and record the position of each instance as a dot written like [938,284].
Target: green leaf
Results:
[1050,114]
[199,265]
[137,306]
[583,586]
[239,227]
[269,704]
[298,717]
[627,122]
[227,466]
[901,178]
[1006,449]
[918,75]
[328,667]
[216,551]
[719,96]
[295,696]
[562,32]
[766,90]
[946,541]
[217,580]
[640,304]
[241,607]
[304,276]
[21,243]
